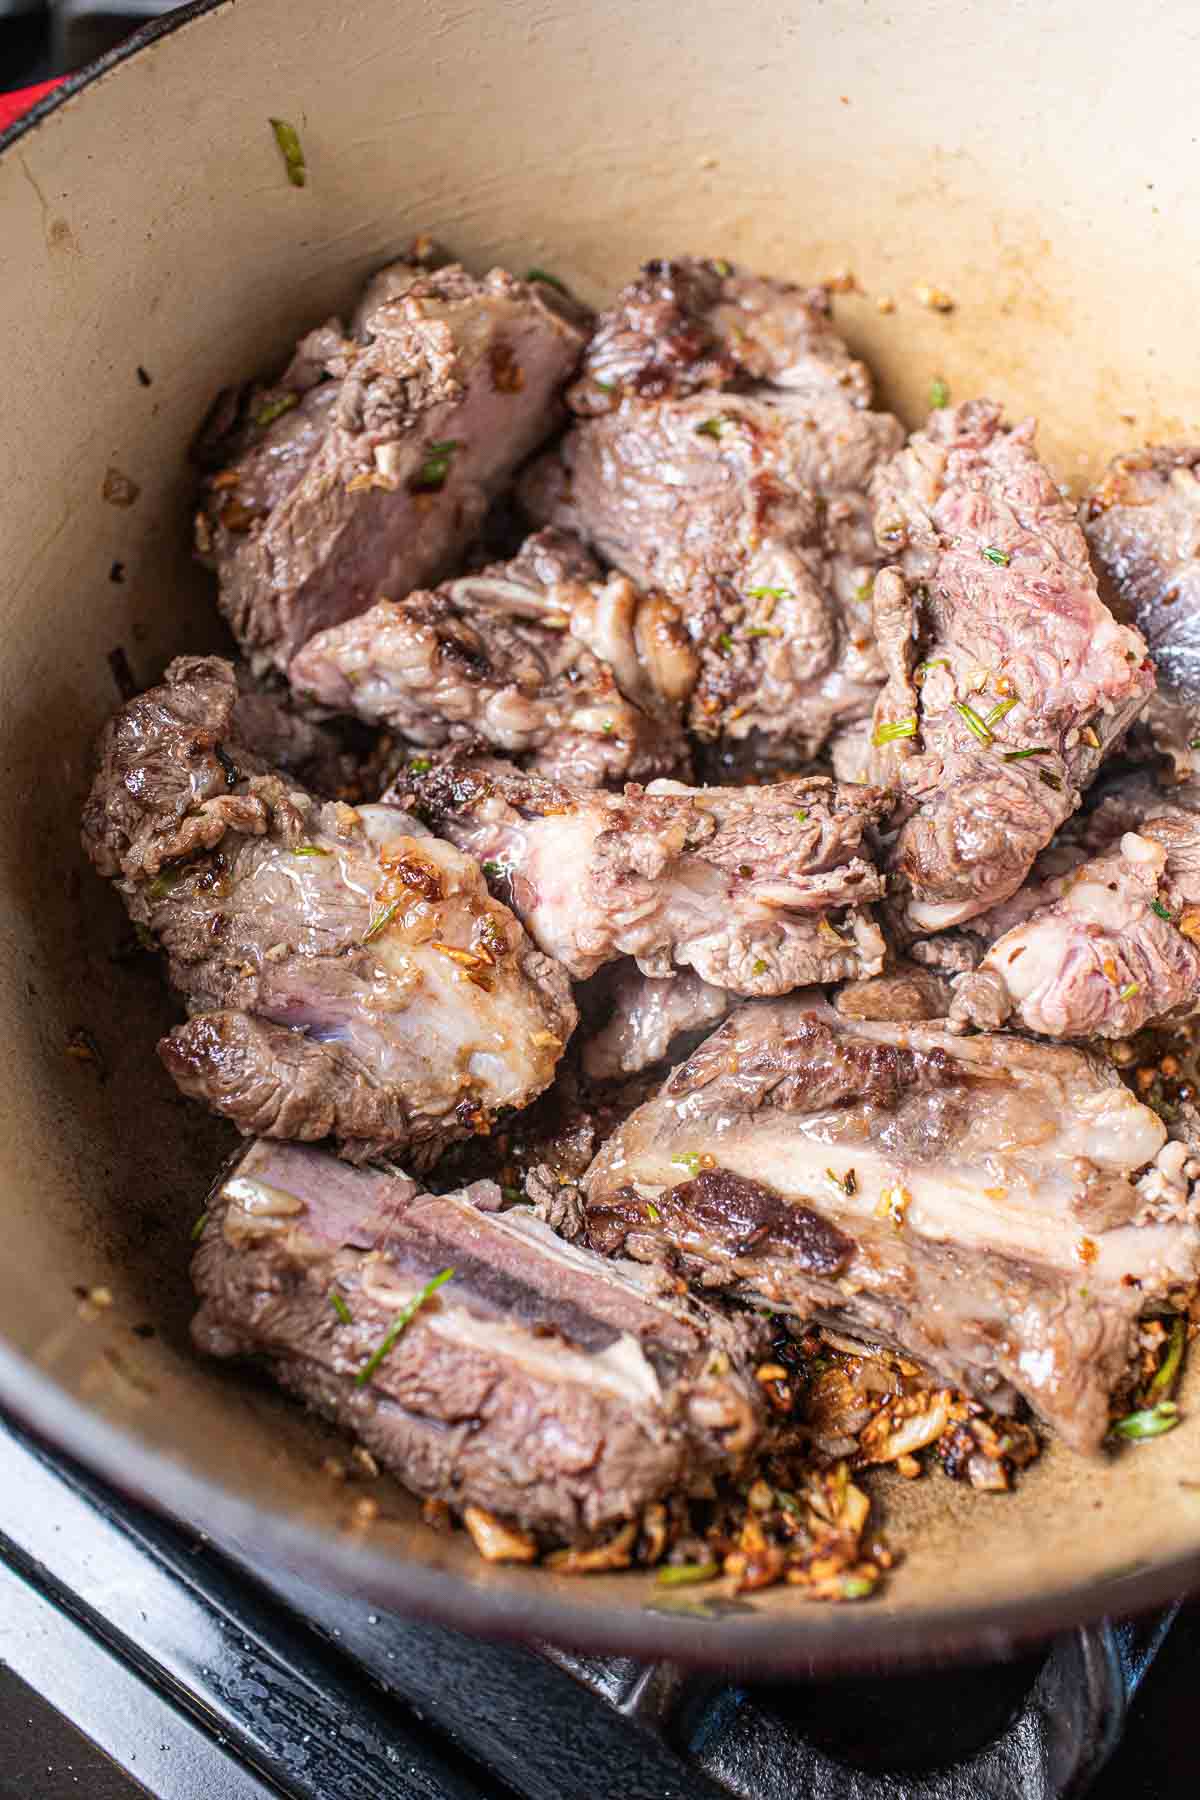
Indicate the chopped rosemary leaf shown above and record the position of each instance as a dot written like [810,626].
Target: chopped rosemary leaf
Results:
[896,728]
[1020,755]
[433,471]
[857,1587]
[939,662]
[652,1213]
[288,139]
[162,884]
[1151,1422]
[420,765]
[340,1308]
[310,850]
[711,428]
[999,557]
[939,394]
[690,1160]
[1000,711]
[380,922]
[725,643]
[1156,906]
[1129,990]
[972,721]
[198,1227]
[800,814]
[398,1324]
[275,409]
[757,631]
[769,593]
[1049,780]
[759,967]
[683,1574]
[1168,1368]
[550,280]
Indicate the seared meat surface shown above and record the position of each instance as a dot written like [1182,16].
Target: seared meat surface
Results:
[723,454]
[643,1017]
[1110,945]
[757,889]
[905,994]
[541,656]
[544,1384]
[1142,525]
[973,1201]
[368,470]
[1008,678]
[346,973]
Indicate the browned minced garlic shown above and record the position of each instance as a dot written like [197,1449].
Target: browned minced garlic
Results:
[495,1541]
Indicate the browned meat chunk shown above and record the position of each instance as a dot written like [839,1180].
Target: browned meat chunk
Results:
[1143,528]
[540,657]
[724,457]
[539,1382]
[347,974]
[976,1202]
[1008,678]
[905,995]
[1112,945]
[756,889]
[372,481]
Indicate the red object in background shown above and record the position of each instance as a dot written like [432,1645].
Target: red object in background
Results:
[21,99]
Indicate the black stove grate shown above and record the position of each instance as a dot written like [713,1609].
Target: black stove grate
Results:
[139,1660]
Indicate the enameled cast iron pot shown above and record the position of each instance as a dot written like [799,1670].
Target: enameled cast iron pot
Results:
[1036,163]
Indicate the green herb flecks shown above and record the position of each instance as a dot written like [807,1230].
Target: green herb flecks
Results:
[999,557]
[1129,990]
[1168,1368]
[690,1160]
[939,394]
[1151,1422]
[420,765]
[162,884]
[198,1227]
[431,476]
[1049,780]
[800,815]
[725,643]
[1022,755]
[769,593]
[939,662]
[288,139]
[759,967]
[1156,906]
[684,1574]
[857,1587]
[864,590]
[757,631]
[608,728]
[513,1196]
[340,1308]
[275,409]
[710,428]
[896,728]
[972,721]
[1000,711]
[398,1324]
[310,850]
[492,869]
[1194,743]
[721,267]
[652,1213]
[381,921]
[846,1184]
[544,275]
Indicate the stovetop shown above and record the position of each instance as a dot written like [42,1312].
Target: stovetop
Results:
[136,1658]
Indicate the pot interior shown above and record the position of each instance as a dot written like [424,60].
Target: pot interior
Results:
[154,251]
